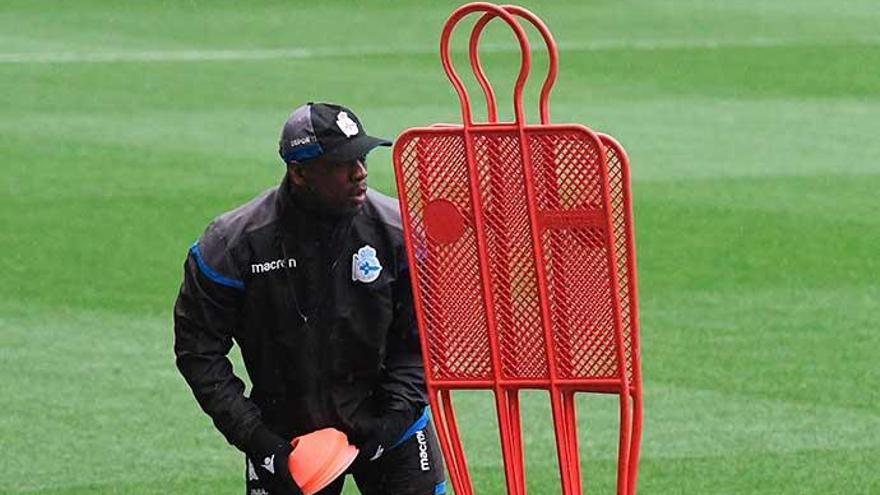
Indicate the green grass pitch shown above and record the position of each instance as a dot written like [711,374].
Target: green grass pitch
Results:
[753,132]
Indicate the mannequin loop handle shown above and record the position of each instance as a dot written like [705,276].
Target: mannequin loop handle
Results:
[552,70]
[525,65]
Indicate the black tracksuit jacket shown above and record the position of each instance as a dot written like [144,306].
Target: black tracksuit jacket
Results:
[323,343]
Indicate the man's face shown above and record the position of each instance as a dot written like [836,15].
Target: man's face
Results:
[334,187]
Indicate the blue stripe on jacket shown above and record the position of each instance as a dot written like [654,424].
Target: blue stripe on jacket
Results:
[210,272]
[420,424]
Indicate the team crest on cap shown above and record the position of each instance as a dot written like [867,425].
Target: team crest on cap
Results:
[365,266]
[346,125]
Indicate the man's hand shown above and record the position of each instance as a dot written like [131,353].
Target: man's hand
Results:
[269,455]
[382,433]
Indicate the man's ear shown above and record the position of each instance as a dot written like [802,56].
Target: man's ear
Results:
[296,172]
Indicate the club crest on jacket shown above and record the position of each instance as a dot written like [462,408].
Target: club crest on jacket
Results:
[365,266]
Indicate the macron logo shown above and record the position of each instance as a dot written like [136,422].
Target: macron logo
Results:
[269,464]
[268,266]
[424,463]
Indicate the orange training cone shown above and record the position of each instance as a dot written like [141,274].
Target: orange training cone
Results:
[320,457]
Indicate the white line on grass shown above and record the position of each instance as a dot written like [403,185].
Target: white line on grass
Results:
[313,53]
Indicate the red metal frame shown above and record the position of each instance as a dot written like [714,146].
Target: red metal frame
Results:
[522,254]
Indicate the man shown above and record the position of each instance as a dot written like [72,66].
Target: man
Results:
[310,280]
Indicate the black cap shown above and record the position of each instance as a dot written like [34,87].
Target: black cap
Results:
[325,130]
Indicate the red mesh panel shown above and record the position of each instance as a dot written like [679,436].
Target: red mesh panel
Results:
[511,258]
[569,192]
[622,230]
[435,167]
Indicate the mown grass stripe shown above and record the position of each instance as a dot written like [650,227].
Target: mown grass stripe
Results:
[311,53]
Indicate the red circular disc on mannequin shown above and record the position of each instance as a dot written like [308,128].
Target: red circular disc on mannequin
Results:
[444,223]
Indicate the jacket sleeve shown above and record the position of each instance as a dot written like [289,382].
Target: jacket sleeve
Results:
[207,310]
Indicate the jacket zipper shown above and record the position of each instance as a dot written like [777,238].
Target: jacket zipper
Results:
[321,300]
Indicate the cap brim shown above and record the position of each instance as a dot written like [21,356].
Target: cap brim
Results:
[354,148]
